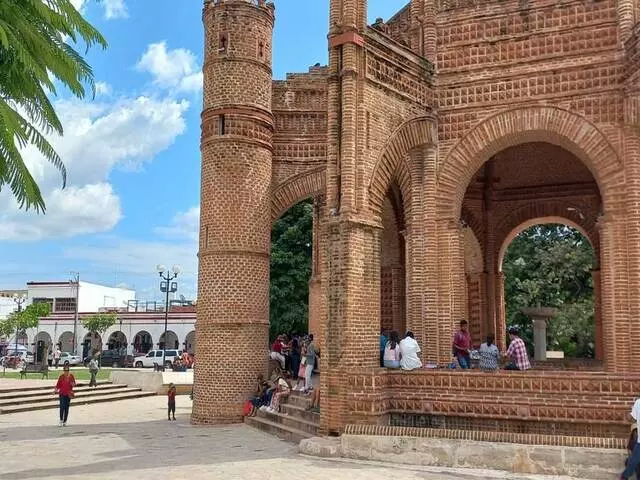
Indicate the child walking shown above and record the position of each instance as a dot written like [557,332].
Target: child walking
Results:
[171,398]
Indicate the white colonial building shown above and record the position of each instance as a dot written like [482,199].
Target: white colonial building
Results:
[139,326]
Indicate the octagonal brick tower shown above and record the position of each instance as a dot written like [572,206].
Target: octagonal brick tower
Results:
[235,220]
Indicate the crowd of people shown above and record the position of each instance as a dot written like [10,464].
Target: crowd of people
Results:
[405,353]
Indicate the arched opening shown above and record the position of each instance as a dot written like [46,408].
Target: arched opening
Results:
[521,186]
[43,345]
[171,341]
[392,264]
[551,265]
[142,342]
[65,342]
[291,269]
[91,344]
[190,343]
[117,340]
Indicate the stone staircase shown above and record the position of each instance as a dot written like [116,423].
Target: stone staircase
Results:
[14,400]
[295,423]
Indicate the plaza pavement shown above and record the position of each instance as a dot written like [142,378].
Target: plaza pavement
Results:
[133,439]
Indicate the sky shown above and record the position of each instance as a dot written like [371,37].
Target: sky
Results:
[132,152]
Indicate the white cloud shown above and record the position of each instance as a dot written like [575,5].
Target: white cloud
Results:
[115,9]
[98,138]
[103,88]
[184,224]
[172,69]
[73,211]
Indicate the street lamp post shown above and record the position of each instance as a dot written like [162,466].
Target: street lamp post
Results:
[19,300]
[167,286]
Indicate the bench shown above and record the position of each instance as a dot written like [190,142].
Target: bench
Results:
[35,368]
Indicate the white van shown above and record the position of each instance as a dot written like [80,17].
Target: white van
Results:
[155,356]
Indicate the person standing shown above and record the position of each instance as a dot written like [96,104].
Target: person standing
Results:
[171,401]
[93,370]
[634,460]
[64,388]
[409,350]
[56,356]
[310,363]
[517,352]
[462,345]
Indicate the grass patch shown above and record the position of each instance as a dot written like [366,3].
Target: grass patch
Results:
[80,374]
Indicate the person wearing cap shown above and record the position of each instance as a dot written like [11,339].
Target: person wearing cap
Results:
[517,352]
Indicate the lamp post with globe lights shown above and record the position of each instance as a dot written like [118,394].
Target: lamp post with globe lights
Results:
[19,300]
[167,286]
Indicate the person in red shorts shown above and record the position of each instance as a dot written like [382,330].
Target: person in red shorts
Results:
[64,388]
[171,401]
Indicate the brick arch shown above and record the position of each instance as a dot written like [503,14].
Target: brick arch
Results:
[304,185]
[524,218]
[522,125]
[472,222]
[393,165]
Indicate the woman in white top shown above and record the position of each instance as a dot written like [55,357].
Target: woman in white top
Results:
[391,356]
[489,355]
[409,350]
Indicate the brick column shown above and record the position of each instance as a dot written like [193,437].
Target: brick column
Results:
[597,314]
[423,28]
[352,285]
[626,18]
[235,217]
[452,298]
[500,320]
[315,282]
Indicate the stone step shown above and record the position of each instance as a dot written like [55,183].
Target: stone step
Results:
[47,386]
[299,399]
[300,412]
[28,393]
[80,400]
[284,432]
[290,421]
[49,396]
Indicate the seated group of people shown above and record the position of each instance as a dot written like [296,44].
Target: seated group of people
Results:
[268,395]
[297,358]
[404,354]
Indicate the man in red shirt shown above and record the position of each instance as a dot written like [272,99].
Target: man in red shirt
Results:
[276,352]
[462,345]
[64,388]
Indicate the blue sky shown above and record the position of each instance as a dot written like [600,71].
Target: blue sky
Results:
[132,153]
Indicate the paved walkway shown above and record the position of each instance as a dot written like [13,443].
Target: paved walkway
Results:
[132,439]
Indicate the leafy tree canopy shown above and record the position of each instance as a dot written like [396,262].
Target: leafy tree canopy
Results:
[99,322]
[291,247]
[550,266]
[34,52]
[29,317]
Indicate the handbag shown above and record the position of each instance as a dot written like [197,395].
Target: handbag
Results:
[302,370]
[303,361]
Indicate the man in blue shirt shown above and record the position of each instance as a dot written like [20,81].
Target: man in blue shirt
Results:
[383,343]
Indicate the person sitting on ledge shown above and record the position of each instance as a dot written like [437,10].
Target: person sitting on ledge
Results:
[517,352]
[462,345]
[391,356]
[276,352]
[489,355]
[409,350]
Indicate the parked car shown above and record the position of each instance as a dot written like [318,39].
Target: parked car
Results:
[113,358]
[155,356]
[71,358]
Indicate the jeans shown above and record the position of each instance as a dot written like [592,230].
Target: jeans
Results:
[171,408]
[295,365]
[64,408]
[632,463]
[308,372]
[511,366]
[464,359]
[391,364]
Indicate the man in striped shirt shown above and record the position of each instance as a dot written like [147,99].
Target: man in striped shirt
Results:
[517,352]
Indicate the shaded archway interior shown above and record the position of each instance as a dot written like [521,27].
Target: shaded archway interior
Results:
[529,181]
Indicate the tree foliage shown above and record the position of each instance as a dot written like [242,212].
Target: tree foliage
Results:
[99,322]
[291,250]
[550,266]
[29,317]
[34,51]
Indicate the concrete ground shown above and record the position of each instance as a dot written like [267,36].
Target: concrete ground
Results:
[133,439]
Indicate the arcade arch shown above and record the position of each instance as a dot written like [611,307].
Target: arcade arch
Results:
[171,340]
[65,342]
[142,342]
[117,340]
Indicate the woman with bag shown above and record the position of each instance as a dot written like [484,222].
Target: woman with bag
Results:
[64,388]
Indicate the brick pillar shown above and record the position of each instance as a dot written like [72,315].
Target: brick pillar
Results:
[423,28]
[500,320]
[615,294]
[626,18]
[315,282]
[452,298]
[597,314]
[476,299]
[398,299]
[353,314]
[235,218]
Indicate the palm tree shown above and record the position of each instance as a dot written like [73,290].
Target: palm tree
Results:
[33,53]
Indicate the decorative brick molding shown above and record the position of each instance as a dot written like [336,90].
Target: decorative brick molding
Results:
[305,185]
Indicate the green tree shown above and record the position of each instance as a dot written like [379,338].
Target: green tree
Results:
[29,317]
[550,265]
[34,51]
[291,250]
[99,322]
